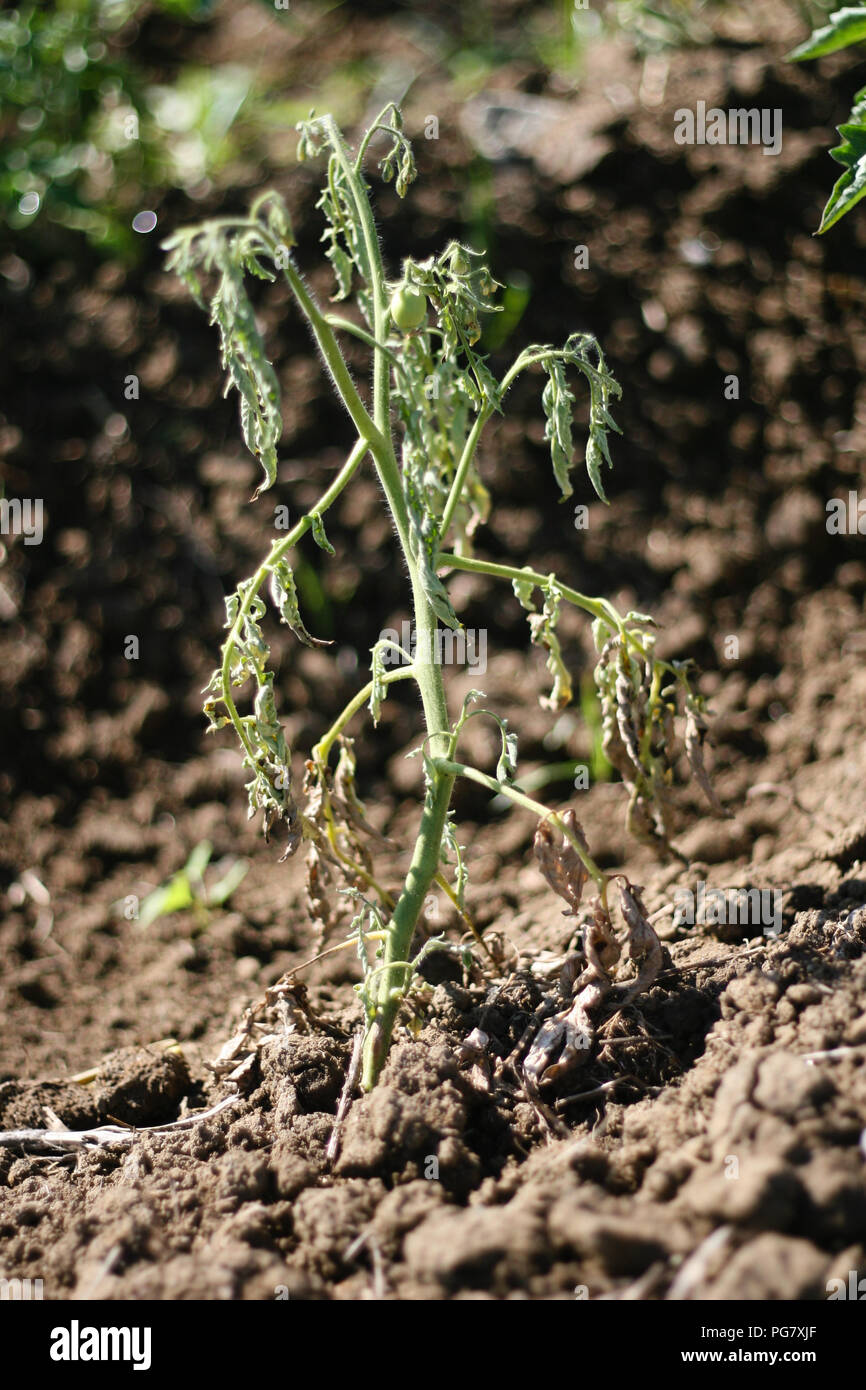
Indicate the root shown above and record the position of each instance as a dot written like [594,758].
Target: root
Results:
[102,1136]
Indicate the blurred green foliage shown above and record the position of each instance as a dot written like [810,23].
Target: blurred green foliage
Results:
[91,128]
[653,25]
[188,889]
[85,131]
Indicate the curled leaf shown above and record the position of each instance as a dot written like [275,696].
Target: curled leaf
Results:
[506,768]
[377,673]
[285,597]
[644,947]
[561,864]
[319,535]
[694,741]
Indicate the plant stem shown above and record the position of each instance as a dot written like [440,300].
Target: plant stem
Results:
[277,551]
[462,469]
[355,329]
[383,1005]
[425,863]
[327,741]
[597,607]
[530,804]
[378,444]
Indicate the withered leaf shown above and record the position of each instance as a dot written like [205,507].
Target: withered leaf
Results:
[560,864]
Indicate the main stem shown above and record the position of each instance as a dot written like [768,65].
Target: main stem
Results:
[389,983]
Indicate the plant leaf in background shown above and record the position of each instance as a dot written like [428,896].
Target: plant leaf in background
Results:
[846,27]
[173,896]
[86,133]
[851,186]
[225,886]
[187,887]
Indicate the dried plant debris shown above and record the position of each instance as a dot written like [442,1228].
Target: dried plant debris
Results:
[560,864]
[101,1136]
[282,1010]
[338,832]
[641,697]
[567,1039]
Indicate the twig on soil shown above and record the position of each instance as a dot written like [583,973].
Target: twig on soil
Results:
[101,1136]
[640,1289]
[833,1052]
[605,1088]
[694,1270]
[711,964]
[367,1240]
[552,1125]
[346,1097]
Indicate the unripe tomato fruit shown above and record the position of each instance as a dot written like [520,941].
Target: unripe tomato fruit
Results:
[408,308]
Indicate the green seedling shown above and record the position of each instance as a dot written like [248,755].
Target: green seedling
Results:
[188,889]
[432,395]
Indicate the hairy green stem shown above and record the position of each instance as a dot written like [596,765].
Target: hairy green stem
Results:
[462,469]
[357,702]
[390,983]
[597,607]
[276,552]
[356,331]
[455,769]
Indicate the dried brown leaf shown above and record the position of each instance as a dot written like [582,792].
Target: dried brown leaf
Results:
[560,864]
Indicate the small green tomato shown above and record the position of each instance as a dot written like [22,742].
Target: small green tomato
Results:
[408,308]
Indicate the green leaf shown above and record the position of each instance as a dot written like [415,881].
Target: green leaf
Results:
[342,267]
[319,535]
[268,730]
[601,632]
[557,401]
[423,542]
[506,767]
[851,186]
[542,628]
[230,252]
[377,672]
[285,597]
[224,887]
[173,896]
[436,593]
[846,27]
[523,591]
[199,860]
[594,459]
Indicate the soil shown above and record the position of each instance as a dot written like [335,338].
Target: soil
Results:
[713,1147]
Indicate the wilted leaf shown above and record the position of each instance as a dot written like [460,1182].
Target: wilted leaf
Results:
[560,863]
